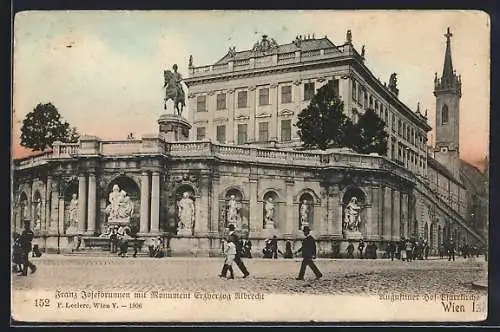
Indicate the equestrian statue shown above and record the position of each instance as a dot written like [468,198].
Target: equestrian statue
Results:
[173,89]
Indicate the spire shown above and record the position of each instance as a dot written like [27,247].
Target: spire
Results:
[448,65]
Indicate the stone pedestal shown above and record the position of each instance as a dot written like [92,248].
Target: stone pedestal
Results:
[352,235]
[184,232]
[174,128]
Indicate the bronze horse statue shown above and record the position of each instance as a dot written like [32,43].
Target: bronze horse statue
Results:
[173,90]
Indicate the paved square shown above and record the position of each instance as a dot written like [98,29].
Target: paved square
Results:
[267,276]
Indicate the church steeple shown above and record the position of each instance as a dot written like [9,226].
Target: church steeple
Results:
[449,82]
[448,91]
[448,64]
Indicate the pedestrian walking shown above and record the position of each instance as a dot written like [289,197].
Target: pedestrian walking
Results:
[402,250]
[308,250]
[391,249]
[17,254]
[25,241]
[230,253]
[451,250]
[233,237]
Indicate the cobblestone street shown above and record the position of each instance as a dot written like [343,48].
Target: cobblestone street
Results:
[267,276]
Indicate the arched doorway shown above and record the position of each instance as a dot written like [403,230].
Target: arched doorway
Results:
[185,209]
[306,211]
[270,210]
[131,190]
[353,212]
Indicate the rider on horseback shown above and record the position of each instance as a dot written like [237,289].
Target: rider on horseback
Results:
[173,89]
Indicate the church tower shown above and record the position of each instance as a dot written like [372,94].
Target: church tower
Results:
[448,91]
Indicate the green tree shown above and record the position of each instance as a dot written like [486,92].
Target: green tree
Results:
[372,137]
[323,123]
[43,126]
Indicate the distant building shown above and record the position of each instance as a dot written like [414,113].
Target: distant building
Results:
[235,161]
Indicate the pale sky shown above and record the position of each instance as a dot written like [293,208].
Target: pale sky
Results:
[109,81]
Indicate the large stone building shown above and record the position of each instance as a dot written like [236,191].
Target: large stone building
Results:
[235,161]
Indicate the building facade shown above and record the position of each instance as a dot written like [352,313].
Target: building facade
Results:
[239,163]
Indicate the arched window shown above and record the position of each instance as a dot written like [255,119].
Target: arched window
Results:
[444,115]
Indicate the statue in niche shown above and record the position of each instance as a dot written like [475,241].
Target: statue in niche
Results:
[269,209]
[304,213]
[125,206]
[73,211]
[352,215]
[186,212]
[233,211]
[37,224]
[121,207]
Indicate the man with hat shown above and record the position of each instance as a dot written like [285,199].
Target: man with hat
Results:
[308,254]
[239,248]
[25,242]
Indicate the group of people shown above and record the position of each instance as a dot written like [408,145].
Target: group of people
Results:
[121,238]
[271,249]
[365,250]
[233,248]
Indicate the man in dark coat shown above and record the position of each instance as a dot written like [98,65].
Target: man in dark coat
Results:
[274,247]
[308,250]
[239,249]
[25,242]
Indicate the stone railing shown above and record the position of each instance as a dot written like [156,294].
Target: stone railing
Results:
[340,158]
[125,147]
[272,60]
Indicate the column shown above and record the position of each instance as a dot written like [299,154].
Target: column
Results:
[273,125]
[213,227]
[155,203]
[48,193]
[144,221]
[203,215]
[291,216]
[334,214]
[231,110]
[373,214]
[404,214]
[255,214]
[54,207]
[396,221]
[91,211]
[387,214]
[82,202]
[60,223]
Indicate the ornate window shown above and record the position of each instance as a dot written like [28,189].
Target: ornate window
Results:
[200,133]
[335,87]
[286,94]
[264,96]
[286,130]
[242,99]
[221,134]
[263,131]
[201,103]
[354,91]
[444,115]
[221,101]
[242,133]
[308,91]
